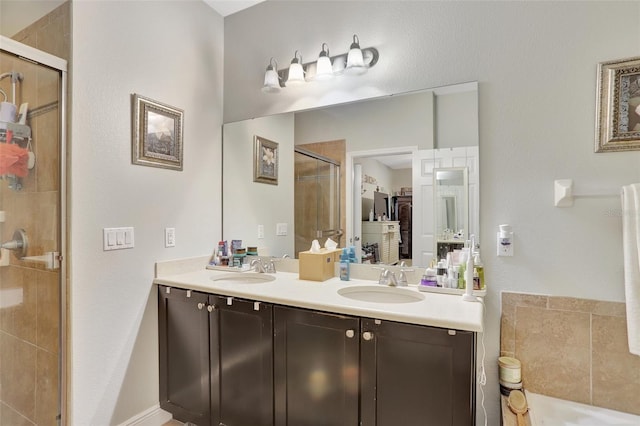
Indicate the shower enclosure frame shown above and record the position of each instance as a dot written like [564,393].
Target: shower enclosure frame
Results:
[337,233]
[37,56]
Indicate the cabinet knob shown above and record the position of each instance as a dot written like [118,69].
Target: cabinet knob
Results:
[200,305]
[350,333]
[210,308]
[367,335]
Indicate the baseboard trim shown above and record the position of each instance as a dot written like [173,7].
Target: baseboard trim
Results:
[154,416]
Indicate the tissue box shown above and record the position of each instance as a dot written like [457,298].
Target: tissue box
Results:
[318,266]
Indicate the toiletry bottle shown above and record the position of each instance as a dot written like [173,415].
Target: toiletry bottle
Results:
[371,215]
[480,269]
[462,267]
[344,265]
[441,273]
[429,278]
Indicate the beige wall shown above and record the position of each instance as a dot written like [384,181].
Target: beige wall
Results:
[572,348]
[171,52]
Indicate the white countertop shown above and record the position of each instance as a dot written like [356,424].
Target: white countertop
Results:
[437,310]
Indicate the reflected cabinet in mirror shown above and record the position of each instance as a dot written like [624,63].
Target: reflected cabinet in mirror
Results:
[395,176]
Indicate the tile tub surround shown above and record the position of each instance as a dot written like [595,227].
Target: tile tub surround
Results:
[571,348]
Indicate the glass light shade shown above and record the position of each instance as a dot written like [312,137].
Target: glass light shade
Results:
[355,62]
[296,74]
[271,83]
[324,70]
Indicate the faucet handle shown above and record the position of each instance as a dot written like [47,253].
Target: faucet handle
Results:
[384,276]
[271,267]
[402,278]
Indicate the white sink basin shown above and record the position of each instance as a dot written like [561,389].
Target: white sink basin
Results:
[243,278]
[381,294]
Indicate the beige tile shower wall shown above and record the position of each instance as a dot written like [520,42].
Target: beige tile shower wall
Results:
[29,310]
[570,348]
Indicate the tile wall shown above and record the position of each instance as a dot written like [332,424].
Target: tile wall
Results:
[573,349]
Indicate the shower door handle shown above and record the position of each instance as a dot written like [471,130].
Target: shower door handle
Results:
[329,232]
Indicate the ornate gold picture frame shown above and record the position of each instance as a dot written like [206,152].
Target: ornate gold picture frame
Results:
[156,134]
[618,106]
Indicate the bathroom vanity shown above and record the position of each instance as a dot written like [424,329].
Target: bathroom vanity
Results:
[240,349]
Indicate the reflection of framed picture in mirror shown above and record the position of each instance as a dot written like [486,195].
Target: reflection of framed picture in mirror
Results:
[156,134]
[265,164]
[618,108]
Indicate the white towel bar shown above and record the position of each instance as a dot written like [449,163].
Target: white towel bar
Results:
[565,193]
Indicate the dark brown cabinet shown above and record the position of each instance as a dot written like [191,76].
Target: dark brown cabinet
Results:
[216,359]
[316,368]
[232,362]
[416,375]
[184,354]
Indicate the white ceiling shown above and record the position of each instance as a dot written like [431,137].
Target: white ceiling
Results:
[227,7]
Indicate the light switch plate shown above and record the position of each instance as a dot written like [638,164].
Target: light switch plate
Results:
[117,238]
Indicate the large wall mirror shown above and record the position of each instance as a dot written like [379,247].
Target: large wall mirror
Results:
[410,160]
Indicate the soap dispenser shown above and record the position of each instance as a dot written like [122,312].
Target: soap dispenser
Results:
[344,265]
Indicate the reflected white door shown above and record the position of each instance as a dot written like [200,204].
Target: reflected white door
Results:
[357,210]
[423,221]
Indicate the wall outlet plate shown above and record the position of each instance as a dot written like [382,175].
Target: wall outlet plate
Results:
[505,245]
[169,237]
[281,229]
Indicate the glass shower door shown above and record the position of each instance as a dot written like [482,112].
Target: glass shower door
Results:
[30,233]
[317,199]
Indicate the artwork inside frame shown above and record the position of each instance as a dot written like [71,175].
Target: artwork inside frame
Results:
[156,134]
[265,164]
[618,106]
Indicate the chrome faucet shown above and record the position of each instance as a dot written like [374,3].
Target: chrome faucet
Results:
[271,267]
[257,265]
[388,277]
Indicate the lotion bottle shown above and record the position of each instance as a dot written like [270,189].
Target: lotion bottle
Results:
[344,265]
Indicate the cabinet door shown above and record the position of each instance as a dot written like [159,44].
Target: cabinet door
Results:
[416,375]
[316,368]
[184,354]
[242,362]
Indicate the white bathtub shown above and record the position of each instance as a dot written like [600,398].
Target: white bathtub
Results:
[547,411]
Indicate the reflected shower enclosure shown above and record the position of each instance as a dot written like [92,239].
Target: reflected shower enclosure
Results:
[316,199]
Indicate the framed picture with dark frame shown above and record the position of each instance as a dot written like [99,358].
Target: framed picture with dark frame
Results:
[265,164]
[618,106]
[156,134]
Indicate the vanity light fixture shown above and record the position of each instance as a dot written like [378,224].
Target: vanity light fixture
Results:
[324,69]
[296,72]
[356,62]
[271,78]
